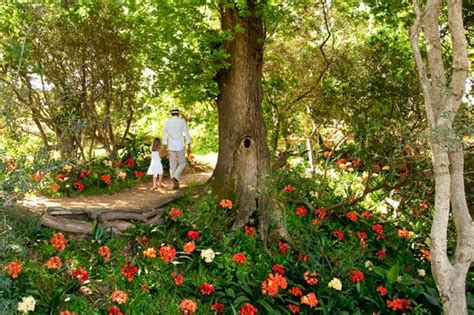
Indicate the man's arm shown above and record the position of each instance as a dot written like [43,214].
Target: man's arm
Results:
[188,137]
[165,135]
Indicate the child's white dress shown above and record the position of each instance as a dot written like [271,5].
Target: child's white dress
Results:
[155,166]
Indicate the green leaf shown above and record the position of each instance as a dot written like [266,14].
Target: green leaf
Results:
[393,273]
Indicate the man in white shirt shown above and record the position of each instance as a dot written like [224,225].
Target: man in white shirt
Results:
[174,131]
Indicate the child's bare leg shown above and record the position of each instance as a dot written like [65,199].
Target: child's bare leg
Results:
[160,183]
[154,182]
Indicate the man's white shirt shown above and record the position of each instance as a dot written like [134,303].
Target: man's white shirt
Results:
[173,132]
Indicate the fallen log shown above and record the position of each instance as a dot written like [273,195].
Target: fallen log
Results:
[111,216]
[67,225]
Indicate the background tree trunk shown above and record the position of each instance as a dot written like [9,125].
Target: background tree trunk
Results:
[243,159]
[442,102]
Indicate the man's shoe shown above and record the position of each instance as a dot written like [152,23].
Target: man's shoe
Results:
[175,183]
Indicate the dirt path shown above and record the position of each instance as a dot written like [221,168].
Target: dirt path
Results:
[138,197]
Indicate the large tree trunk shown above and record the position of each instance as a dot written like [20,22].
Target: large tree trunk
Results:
[442,102]
[243,159]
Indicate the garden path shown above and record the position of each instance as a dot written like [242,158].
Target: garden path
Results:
[138,197]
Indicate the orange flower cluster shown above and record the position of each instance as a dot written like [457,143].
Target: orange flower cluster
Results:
[351,215]
[206,289]
[129,270]
[309,299]
[193,234]
[380,254]
[311,278]
[301,211]
[378,229]
[37,176]
[250,230]
[150,252]
[321,213]
[294,308]
[217,308]
[248,309]
[13,269]
[278,269]
[226,204]
[283,247]
[403,233]
[178,278]
[426,254]
[239,258]
[273,284]
[54,187]
[189,247]
[175,214]
[338,234]
[381,290]
[104,251]
[54,263]
[139,174]
[188,306]
[79,186]
[167,253]
[366,215]
[119,297]
[114,310]
[106,179]
[399,304]
[295,291]
[66,313]
[58,241]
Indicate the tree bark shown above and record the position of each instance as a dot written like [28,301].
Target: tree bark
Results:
[243,159]
[442,101]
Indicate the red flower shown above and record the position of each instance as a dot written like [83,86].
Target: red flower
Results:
[106,179]
[80,275]
[13,269]
[58,241]
[380,254]
[167,253]
[104,251]
[426,254]
[189,247]
[129,270]
[311,278]
[301,211]
[119,297]
[85,173]
[217,307]
[226,204]
[193,234]
[361,235]
[273,283]
[283,247]
[423,205]
[356,276]
[302,257]
[377,228]
[315,221]
[248,309]
[239,258]
[295,291]
[79,186]
[351,215]
[54,187]
[60,177]
[178,278]
[139,174]
[340,162]
[206,289]
[175,213]
[114,310]
[366,214]
[188,306]
[356,163]
[403,233]
[130,162]
[278,269]
[339,234]
[399,304]
[309,299]
[289,188]
[250,230]
[294,308]
[321,213]
[381,290]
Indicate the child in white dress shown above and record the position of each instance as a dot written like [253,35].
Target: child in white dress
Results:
[156,169]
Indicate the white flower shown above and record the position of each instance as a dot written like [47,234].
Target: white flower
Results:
[67,168]
[314,194]
[336,284]
[368,264]
[386,168]
[208,255]
[27,304]
[122,175]
[421,272]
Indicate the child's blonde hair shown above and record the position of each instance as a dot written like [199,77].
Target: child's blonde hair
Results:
[156,144]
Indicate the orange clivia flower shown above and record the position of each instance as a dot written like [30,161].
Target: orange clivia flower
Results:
[13,269]
[356,276]
[426,254]
[399,304]
[311,278]
[226,204]
[239,258]
[248,309]
[129,270]
[175,214]
[66,313]
[54,187]
[366,214]
[301,211]
[58,241]
[351,215]
[295,291]
[167,253]
[289,188]
[293,308]
[309,299]
[80,275]
[189,247]
[119,297]
[321,213]
[37,176]
[54,263]
[381,290]
[150,252]
[404,233]
[250,230]
[188,306]
[106,179]
[178,278]
[283,247]
[273,283]
[206,289]
[104,251]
